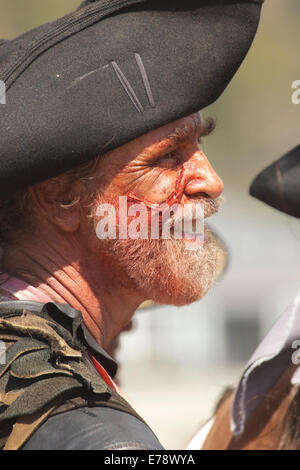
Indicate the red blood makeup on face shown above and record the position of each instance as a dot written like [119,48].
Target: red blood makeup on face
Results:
[190,179]
[193,169]
[155,170]
[158,171]
[172,199]
[164,205]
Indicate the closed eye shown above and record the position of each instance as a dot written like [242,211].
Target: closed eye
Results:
[170,160]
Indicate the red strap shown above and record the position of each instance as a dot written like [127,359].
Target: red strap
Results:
[102,372]
[108,380]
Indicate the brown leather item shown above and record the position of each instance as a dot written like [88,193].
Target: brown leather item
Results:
[47,372]
[25,427]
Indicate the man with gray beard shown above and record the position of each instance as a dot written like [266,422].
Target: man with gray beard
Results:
[166,169]
[102,125]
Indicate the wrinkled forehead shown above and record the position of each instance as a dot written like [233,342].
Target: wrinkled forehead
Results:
[153,142]
[191,124]
[194,122]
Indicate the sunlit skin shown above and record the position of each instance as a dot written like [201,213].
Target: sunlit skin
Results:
[64,257]
[168,166]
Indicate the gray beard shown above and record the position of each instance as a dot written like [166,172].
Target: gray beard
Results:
[165,271]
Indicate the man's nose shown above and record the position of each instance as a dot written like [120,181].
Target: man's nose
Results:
[200,177]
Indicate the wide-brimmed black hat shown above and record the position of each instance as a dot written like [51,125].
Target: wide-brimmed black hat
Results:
[110,72]
[278,185]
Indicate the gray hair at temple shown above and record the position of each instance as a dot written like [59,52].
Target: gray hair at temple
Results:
[17,210]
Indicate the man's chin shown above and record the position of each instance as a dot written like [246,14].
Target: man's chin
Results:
[184,276]
[178,300]
[167,272]
[186,294]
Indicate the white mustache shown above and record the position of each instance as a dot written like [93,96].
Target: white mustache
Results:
[209,208]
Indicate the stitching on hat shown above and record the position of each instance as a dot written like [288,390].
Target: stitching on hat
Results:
[2,92]
[86,75]
[145,79]
[127,87]
[28,49]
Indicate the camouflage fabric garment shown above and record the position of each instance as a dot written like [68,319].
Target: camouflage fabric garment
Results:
[47,368]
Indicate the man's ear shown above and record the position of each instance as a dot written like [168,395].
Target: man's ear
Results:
[58,204]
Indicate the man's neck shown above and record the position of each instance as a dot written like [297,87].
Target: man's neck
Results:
[61,270]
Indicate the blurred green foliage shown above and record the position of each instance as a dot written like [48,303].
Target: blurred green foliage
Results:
[18,16]
[256,120]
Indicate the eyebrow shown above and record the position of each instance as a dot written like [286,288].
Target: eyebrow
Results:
[180,136]
[199,129]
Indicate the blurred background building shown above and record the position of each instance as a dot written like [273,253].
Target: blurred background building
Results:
[176,361]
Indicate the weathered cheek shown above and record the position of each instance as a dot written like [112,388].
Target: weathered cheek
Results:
[157,187]
[161,191]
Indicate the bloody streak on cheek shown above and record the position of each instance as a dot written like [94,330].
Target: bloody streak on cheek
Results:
[163,206]
[172,199]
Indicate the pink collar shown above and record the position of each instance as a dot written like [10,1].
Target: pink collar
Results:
[21,290]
